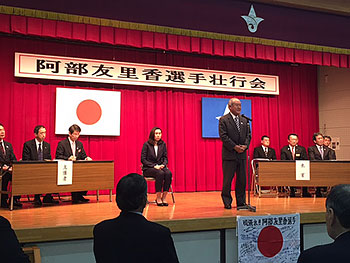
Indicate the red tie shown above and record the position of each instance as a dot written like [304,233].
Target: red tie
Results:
[293,152]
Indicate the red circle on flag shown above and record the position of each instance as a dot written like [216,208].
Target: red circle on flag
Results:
[89,112]
[270,241]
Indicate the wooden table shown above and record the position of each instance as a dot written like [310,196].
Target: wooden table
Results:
[40,177]
[322,173]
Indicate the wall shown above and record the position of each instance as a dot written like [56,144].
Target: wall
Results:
[334,106]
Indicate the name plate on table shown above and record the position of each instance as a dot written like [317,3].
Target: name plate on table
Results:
[64,172]
[302,170]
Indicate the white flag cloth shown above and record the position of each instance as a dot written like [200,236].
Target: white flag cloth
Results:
[97,112]
[272,238]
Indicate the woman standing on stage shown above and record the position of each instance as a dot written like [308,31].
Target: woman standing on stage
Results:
[154,159]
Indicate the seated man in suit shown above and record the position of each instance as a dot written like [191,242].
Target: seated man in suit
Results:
[131,238]
[338,228]
[71,149]
[38,150]
[319,152]
[6,158]
[327,140]
[293,151]
[10,249]
[264,151]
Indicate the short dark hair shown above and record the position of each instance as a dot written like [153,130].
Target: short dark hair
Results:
[37,128]
[151,135]
[264,136]
[73,128]
[338,200]
[327,136]
[2,125]
[292,134]
[315,135]
[131,192]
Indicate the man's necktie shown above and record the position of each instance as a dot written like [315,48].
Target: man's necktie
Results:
[265,152]
[293,152]
[2,149]
[236,119]
[40,153]
[321,152]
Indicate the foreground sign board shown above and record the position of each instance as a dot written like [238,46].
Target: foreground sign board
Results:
[116,72]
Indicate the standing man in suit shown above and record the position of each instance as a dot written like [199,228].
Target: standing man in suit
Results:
[338,228]
[6,158]
[234,131]
[293,151]
[38,150]
[319,152]
[264,151]
[327,140]
[71,149]
[130,237]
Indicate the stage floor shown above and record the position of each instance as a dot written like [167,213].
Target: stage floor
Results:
[197,211]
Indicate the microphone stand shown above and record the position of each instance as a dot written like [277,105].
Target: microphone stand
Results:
[248,206]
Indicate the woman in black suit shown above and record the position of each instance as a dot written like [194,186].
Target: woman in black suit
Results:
[154,159]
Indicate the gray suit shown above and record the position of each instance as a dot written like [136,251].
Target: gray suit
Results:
[232,161]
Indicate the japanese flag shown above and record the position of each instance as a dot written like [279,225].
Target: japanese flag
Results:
[96,112]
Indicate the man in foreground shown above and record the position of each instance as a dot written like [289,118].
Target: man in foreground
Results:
[131,238]
[338,228]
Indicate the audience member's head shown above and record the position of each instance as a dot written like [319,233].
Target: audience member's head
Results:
[338,210]
[131,193]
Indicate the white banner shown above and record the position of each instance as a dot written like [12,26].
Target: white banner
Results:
[272,238]
[64,172]
[115,72]
[302,170]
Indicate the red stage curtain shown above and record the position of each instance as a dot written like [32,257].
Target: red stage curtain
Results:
[136,38]
[194,161]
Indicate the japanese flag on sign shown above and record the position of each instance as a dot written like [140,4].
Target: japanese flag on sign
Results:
[97,112]
[272,238]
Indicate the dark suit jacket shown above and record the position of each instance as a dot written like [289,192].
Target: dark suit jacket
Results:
[131,238]
[314,153]
[10,249]
[149,158]
[64,150]
[338,251]
[9,155]
[332,155]
[231,137]
[259,153]
[30,152]
[300,153]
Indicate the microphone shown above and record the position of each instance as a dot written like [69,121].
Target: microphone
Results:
[249,119]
